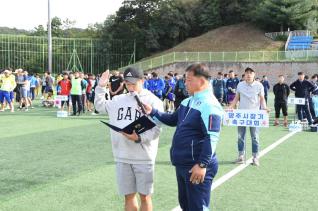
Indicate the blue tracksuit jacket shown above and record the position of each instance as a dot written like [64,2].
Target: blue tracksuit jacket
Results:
[198,122]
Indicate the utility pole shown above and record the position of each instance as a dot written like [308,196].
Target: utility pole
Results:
[49,27]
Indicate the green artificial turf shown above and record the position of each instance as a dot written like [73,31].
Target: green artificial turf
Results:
[48,163]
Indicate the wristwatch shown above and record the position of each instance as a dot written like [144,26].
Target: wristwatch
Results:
[202,165]
[138,141]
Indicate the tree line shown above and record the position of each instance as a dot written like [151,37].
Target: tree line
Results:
[157,25]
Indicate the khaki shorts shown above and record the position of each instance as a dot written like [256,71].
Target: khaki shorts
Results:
[135,178]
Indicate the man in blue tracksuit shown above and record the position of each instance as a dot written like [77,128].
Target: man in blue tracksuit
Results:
[225,78]
[198,124]
[219,87]
[156,85]
[231,85]
[266,87]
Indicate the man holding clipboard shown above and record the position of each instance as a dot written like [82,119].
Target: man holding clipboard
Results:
[134,137]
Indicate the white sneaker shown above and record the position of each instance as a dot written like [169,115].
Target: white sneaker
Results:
[255,161]
[2,110]
[240,159]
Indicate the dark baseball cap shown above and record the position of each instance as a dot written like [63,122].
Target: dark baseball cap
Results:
[133,74]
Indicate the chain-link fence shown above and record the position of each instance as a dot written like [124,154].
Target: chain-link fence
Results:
[30,53]
[246,56]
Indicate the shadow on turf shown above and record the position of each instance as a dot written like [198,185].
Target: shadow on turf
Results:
[84,117]
[223,163]
[168,163]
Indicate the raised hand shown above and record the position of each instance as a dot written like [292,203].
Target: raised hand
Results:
[103,81]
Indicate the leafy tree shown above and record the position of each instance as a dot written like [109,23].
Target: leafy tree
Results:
[284,14]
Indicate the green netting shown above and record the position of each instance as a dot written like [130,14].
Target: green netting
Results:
[94,55]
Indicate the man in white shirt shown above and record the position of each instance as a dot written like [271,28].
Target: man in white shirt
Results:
[250,95]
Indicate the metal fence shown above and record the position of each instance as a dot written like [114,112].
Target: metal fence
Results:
[30,52]
[273,35]
[244,56]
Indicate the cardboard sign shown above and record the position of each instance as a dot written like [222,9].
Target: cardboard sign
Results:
[247,118]
[296,101]
[61,114]
[295,127]
[61,97]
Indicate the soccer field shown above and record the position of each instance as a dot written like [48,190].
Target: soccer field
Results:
[55,164]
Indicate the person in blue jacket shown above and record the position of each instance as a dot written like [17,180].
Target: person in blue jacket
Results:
[266,86]
[33,85]
[169,96]
[156,85]
[231,85]
[219,87]
[146,82]
[198,125]
[225,78]
[180,91]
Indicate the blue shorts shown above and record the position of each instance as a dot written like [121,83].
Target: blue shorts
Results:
[12,95]
[90,97]
[48,89]
[5,95]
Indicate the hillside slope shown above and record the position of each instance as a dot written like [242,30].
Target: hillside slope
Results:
[239,37]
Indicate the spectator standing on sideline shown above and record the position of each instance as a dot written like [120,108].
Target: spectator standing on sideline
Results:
[49,82]
[250,95]
[156,85]
[22,81]
[7,86]
[225,78]
[33,85]
[281,92]
[169,93]
[43,85]
[65,90]
[39,85]
[302,89]
[84,87]
[89,92]
[314,93]
[266,86]
[76,94]
[218,87]
[231,86]
[180,91]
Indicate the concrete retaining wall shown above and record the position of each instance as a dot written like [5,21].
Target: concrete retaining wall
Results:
[272,70]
